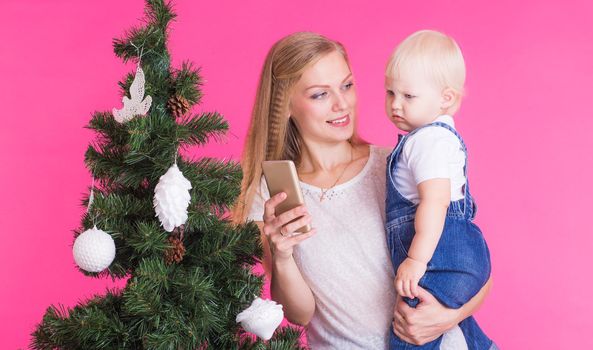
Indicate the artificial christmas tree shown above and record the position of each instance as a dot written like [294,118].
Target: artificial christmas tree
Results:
[184,288]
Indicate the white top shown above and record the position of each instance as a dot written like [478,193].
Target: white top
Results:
[346,264]
[431,153]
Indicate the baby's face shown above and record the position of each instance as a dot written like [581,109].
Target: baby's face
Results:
[412,99]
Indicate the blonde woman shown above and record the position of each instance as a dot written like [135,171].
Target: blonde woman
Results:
[337,279]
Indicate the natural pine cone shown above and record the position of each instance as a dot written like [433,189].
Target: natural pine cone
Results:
[178,105]
[175,253]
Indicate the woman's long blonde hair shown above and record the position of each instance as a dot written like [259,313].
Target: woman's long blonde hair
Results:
[272,135]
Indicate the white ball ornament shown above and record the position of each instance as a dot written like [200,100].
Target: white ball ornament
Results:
[261,318]
[94,250]
[171,198]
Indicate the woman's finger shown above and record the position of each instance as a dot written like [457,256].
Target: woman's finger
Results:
[268,230]
[398,317]
[425,297]
[291,227]
[271,204]
[289,215]
[296,239]
[403,308]
[403,331]
[286,244]
[399,330]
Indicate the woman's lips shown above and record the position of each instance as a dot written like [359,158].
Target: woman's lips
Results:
[339,122]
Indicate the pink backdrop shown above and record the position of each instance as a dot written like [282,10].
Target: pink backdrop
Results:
[527,120]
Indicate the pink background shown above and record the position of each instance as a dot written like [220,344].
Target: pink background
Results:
[527,120]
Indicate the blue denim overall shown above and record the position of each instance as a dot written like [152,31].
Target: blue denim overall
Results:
[460,265]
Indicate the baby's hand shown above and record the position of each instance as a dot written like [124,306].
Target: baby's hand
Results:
[408,275]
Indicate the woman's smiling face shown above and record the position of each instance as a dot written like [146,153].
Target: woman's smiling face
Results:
[323,101]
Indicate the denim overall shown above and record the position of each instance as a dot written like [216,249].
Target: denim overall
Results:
[460,265]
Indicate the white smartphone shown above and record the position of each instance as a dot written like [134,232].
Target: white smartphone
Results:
[281,176]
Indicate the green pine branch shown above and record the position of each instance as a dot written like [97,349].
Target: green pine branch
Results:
[188,83]
[94,324]
[108,129]
[199,129]
[214,182]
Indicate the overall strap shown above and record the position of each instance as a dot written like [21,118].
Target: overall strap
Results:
[450,128]
[401,140]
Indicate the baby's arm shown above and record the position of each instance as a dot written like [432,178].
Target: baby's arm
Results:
[435,196]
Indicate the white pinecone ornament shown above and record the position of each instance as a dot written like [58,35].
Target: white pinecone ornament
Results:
[94,250]
[261,318]
[171,198]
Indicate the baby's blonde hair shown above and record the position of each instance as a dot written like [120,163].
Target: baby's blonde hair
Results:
[436,53]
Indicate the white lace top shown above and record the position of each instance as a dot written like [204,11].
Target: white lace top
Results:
[346,264]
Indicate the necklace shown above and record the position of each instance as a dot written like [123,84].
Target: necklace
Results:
[324,191]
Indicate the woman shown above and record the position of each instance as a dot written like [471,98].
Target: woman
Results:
[336,279]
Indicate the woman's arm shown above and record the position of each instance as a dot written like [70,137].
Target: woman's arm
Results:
[430,319]
[286,282]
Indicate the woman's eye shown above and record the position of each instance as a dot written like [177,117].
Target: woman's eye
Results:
[319,95]
[348,85]
[408,96]
[389,92]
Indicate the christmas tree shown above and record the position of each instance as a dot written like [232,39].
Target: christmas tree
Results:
[186,283]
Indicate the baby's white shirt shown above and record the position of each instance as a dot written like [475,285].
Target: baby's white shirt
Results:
[431,153]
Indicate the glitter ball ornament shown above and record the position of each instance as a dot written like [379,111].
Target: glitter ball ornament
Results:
[171,198]
[94,250]
[261,318]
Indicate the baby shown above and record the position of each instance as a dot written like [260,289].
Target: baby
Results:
[429,209]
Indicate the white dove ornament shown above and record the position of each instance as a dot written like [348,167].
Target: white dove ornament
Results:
[134,106]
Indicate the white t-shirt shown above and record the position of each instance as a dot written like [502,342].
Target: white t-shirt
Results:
[431,153]
[346,263]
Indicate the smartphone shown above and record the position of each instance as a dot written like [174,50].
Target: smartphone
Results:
[281,176]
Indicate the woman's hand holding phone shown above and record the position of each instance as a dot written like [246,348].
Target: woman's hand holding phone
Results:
[280,230]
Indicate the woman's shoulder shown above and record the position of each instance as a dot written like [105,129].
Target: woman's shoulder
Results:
[378,159]
[380,153]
